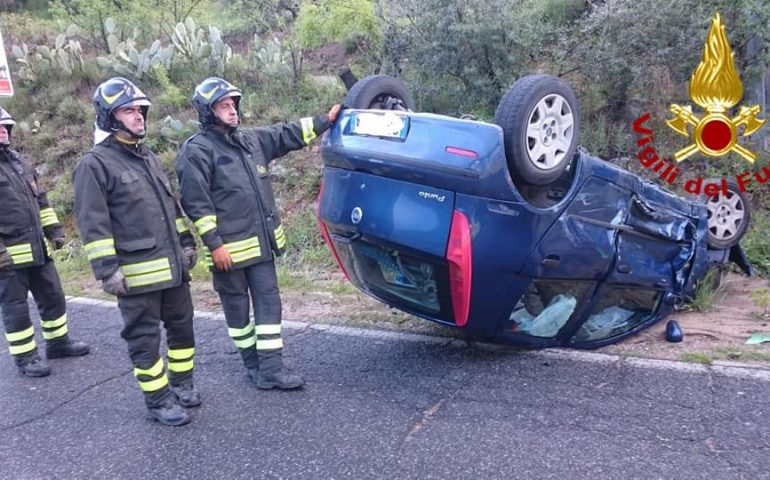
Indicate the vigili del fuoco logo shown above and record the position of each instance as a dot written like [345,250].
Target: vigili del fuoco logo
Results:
[716,88]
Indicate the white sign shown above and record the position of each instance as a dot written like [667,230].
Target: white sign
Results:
[6,88]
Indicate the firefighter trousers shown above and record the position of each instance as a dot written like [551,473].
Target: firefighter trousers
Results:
[262,339]
[15,285]
[142,317]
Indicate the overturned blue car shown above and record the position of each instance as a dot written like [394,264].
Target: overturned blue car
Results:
[509,231]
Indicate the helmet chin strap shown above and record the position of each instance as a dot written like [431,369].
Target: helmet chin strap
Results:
[119,126]
[219,123]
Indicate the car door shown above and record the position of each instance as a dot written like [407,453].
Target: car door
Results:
[572,257]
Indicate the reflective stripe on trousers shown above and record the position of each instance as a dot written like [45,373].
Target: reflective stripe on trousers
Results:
[153,378]
[180,360]
[21,342]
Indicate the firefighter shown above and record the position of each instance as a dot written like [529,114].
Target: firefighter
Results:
[25,264]
[140,247]
[225,186]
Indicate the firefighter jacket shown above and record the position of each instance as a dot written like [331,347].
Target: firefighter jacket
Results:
[226,190]
[26,215]
[128,217]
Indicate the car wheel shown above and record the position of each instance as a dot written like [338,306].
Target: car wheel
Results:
[728,216]
[540,118]
[381,92]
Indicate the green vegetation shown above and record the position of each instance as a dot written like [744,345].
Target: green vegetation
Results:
[738,354]
[756,243]
[742,354]
[709,291]
[458,57]
[696,357]
[761,298]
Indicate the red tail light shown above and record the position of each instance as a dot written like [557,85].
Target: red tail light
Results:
[325,232]
[458,254]
[462,152]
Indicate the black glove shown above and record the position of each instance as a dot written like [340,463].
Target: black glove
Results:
[5,260]
[115,284]
[191,256]
[58,242]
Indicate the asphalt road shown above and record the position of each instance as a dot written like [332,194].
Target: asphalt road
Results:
[384,406]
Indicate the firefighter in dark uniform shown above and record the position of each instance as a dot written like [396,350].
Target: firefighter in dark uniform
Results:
[226,191]
[140,247]
[25,264]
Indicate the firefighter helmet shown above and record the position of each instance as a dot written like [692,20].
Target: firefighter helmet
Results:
[210,91]
[115,93]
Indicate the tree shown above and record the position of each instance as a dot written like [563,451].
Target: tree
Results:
[468,53]
[153,17]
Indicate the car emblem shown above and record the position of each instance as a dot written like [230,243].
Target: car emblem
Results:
[356,215]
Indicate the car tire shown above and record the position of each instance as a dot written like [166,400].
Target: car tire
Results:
[728,216]
[540,118]
[381,92]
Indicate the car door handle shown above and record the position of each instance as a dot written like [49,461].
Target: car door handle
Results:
[346,239]
[551,261]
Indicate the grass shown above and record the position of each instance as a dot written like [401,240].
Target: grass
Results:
[761,298]
[744,354]
[709,292]
[755,243]
[696,357]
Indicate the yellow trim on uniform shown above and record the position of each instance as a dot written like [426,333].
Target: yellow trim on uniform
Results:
[180,353]
[273,329]
[48,217]
[308,132]
[23,348]
[207,257]
[181,226]
[153,385]
[150,266]
[58,322]
[240,332]
[246,342]
[180,367]
[20,253]
[153,371]
[149,279]
[243,250]
[236,333]
[100,248]
[59,332]
[22,259]
[270,344]
[26,334]
[147,273]
[58,325]
[280,237]
[180,359]
[21,335]
[206,224]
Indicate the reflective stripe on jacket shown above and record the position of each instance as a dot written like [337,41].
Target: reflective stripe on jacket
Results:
[128,217]
[226,190]
[26,215]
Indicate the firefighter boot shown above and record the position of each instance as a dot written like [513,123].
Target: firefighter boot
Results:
[185,393]
[65,347]
[31,365]
[272,374]
[168,411]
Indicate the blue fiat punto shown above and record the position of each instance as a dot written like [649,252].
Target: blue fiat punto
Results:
[508,230]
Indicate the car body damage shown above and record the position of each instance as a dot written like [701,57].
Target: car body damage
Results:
[423,213]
